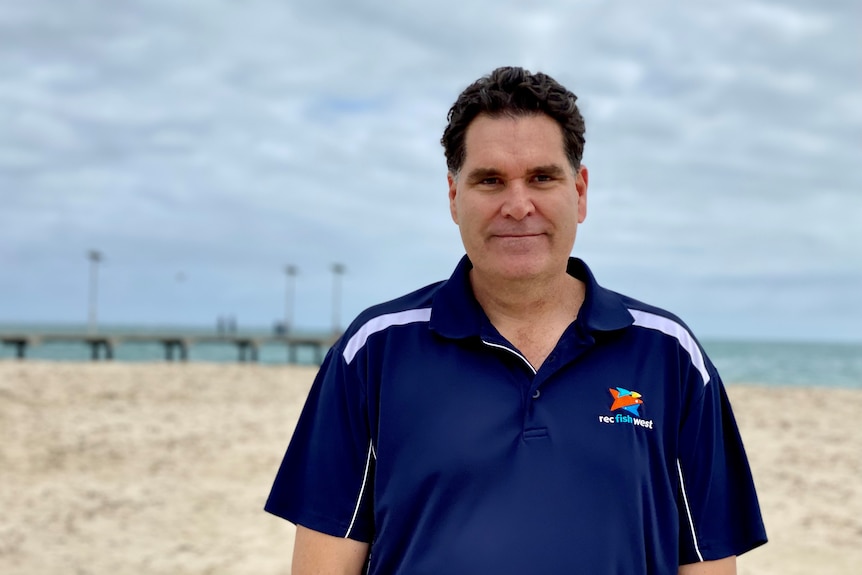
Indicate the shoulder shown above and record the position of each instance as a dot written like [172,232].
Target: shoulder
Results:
[411,308]
[662,323]
[650,316]
[418,299]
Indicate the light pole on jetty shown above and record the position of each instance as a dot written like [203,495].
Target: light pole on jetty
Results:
[95,257]
[291,272]
[337,272]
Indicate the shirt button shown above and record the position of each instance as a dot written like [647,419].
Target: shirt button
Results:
[536,394]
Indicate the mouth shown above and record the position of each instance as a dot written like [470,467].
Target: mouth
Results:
[516,236]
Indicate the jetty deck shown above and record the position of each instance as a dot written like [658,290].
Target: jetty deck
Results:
[176,345]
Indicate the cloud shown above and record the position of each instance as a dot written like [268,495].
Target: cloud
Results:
[224,140]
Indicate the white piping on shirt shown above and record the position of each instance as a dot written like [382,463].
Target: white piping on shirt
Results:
[688,511]
[514,352]
[361,489]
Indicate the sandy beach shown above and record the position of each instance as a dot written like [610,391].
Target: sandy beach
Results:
[117,468]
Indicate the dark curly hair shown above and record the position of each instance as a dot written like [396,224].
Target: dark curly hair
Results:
[515,92]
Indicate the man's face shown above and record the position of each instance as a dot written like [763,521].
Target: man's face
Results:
[517,200]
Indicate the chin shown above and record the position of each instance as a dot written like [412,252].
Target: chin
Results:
[521,268]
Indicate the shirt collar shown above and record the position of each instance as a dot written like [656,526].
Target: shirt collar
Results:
[455,313]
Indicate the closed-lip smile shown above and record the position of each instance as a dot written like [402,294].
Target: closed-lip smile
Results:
[516,235]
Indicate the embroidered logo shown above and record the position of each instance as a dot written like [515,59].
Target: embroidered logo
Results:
[626,400]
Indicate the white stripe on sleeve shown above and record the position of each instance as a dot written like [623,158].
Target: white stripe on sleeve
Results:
[670,327]
[379,323]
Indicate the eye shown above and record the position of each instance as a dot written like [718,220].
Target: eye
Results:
[492,181]
[543,178]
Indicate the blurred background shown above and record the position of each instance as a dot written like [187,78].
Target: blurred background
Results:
[247,166]
[267,161]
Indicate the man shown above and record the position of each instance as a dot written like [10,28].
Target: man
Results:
[518,417]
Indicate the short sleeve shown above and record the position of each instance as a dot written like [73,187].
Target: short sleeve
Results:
[324,481]
[719,512]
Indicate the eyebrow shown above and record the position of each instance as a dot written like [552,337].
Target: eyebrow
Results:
[550,169]
[479,174]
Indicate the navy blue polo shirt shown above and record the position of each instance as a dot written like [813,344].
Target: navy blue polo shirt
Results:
[429,436]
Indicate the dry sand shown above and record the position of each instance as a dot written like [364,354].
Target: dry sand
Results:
[164,468]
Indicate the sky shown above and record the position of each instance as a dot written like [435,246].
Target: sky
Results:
[202,146]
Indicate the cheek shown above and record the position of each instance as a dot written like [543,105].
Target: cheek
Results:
[478,213]
[464,211]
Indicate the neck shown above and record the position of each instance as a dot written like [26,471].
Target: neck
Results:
[530,315]
[529,301]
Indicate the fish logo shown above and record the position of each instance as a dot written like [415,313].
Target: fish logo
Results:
[626,399]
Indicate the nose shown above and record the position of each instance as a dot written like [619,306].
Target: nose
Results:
[517,203]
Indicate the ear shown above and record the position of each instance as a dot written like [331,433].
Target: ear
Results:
[581,184]
[453,191]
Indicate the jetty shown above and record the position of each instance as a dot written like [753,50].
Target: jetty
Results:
[176,345]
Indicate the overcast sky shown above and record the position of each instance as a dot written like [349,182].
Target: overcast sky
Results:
[202,145]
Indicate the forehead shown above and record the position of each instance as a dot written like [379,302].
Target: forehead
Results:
[501,141]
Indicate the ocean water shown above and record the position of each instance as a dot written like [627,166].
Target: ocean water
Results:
[770,363]
[788,363]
